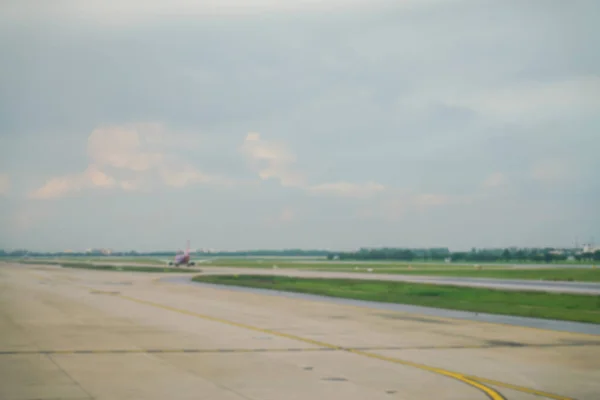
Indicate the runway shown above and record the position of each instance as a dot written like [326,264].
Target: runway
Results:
[590,288]
[81,334]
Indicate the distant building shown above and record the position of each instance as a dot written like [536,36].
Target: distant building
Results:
[105,252]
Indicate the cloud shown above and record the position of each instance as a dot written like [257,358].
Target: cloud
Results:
[126,147]
[272,160]
[575,96]
[137,157]
[495,180]
[347,189]
[275,160]
[287,215]
[4,184]
[61,186]
[430,117]
[551,171]
[132,11]
[397,204]
[27,216]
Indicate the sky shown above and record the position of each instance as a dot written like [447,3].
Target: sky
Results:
[245,124]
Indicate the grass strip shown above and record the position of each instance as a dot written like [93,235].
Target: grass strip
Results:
[128,268]
[546,274]
[571,274]
[566,307]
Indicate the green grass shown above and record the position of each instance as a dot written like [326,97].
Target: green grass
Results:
[98,267]
[567,307]
[139,260]
[42,262]
[129,268]
[453,270]
[333,265]
[547,274]
[54,261]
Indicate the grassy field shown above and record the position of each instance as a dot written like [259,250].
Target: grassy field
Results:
[452,270]
[108,267]
[137,260]
[549,274]
[566,307]
[333,265]
[129,268]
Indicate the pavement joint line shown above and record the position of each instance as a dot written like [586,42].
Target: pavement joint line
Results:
[163,351]
[269,350]
[473,381]
[492,394]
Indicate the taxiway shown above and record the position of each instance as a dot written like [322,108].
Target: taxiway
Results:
[81,334]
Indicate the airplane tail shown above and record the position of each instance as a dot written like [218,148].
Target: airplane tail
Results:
[187,249]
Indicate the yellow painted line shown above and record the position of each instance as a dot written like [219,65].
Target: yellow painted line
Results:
[519,388]
[160,351]
[491,393]
[473,381]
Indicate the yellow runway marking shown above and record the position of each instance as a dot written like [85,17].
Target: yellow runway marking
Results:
[519,388]
[491,393]
[160,351]
[473,381]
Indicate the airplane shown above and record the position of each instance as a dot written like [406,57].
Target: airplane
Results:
[183,258]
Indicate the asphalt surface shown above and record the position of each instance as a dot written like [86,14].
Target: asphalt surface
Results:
[81,334]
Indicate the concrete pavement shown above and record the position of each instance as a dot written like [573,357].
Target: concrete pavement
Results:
[80,334]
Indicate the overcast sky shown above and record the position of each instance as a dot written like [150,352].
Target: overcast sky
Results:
[244,124]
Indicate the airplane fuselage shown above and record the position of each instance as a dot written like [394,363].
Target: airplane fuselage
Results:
[183,258]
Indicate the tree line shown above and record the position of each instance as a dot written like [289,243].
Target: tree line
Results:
[241,253]
[545,255]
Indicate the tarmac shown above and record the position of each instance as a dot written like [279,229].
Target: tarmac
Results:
[83,334]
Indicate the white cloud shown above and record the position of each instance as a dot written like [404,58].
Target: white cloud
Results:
[287,215]
[551,170]
[136,155]
[396,204]
[272,160]
[348,189]
[61,186]
[430,200]
[495,180]
[537,100]
[4,184]
[275,160]
[125,147]
[95,177]
[131,11]
[27,216]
